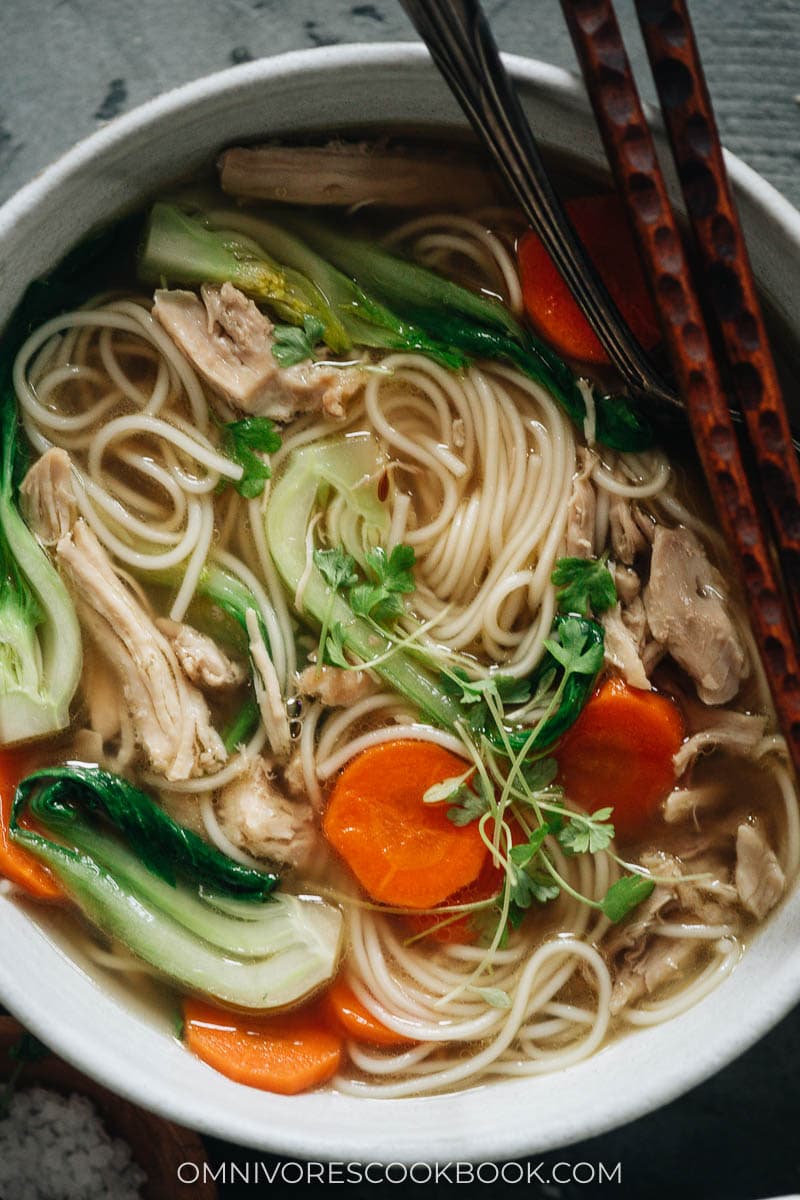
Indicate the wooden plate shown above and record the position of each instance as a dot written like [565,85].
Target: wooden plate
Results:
[158,1146]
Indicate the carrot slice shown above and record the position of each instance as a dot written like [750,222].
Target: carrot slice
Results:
[602,227]
[619,754]
[287,1053]
[355,1020]
[16,863]
[401,850]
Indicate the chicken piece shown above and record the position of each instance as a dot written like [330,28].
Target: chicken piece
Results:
[335,686]
[170,717]
[46,497]
[687,613]
[735,732]
[295,777]
[644,974]
[343,174]
[229,341]
[621,650]
[625,526]
[200,657]
[260,819]
[684,803]
[759,878]
[581,508]
[267,686]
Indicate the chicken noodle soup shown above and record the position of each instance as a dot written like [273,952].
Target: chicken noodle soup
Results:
[373,674]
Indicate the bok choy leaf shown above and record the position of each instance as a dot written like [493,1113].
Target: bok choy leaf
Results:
[206,922]
[40,641]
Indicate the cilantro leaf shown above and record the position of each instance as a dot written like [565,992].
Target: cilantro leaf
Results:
[521,855]
[334,647]
[391,579]
[575,650]
[394,571]
[584,583]
[337,568]
[587,835]
[624,895]
[241,442]
[292,345]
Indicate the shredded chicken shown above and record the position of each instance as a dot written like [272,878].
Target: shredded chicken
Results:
[664,959]
[268,691]
[104,700]
[334,686]
[621,650]
[201,658]
[229,341]
[684,803]
[170,717]
[759,878]
[687,614]
[259,819]
[343,173]
[46,497]
[294,776]
[642,959]
[581,508]
[627,529]
[736,732]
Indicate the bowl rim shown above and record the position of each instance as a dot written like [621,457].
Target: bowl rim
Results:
[467,1142]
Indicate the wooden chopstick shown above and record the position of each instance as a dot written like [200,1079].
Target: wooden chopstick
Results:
[727,280]
[631,153]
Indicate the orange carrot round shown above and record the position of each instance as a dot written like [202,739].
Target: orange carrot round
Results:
[355,1020]
[287,1053]
[402,851]
[601,224]
[619,753]
[16,863]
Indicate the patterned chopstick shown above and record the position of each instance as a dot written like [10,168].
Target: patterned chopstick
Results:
[631,153]
[727,279]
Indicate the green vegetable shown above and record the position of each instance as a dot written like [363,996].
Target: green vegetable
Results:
[61,798]
[300,941]
[219,245]
[337,568]
[572,661]
[381,600]
[624,895]
[344,466]
[242,441]
[291,345]
[243,725]
[482,696]
[477,326]
[587,835]
[584,584]
[180,249]
[206,922]
[40,642]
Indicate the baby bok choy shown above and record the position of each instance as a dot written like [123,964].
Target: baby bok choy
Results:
[278,271]
[347,468]
[40,641]
[203,920]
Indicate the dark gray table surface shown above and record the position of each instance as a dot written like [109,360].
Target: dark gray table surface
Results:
[66,66]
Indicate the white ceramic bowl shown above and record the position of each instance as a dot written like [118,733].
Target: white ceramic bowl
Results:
[92,1022]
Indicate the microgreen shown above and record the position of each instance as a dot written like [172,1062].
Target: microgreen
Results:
[242,441]
[293,344]
[380,598]
[336,567]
